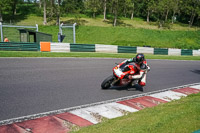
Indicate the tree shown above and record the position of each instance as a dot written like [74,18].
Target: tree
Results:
[45,12]
[128,7]
[1,5]
[132,9]
[94,6]
[52,8]
[167,6]
[115,7]
[190,8]
[194,11]
[5,7]
[58,13]
[175,8]
[14,5]
[104,9]
[162,9]
[139,8]
[40,3]
[150,8]
[72,6]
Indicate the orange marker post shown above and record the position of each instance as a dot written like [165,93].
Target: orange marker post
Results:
[45,46]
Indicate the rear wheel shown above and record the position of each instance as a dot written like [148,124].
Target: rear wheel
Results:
[107,82]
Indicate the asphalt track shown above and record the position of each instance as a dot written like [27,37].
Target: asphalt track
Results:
[35,85]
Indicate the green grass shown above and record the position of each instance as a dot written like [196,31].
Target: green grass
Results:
[123,36]
[134,32]
[181,116]
[138,37]
[90,54]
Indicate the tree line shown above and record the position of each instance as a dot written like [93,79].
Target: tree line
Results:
[161,11]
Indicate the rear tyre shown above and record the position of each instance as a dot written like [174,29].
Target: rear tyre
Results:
[107,82]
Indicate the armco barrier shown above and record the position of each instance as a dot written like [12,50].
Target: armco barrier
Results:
[174,51]
[146,50]
[82,47]
[160,51]
[106,48]
[125,49]
[196,52]
[66,47]
[60,47]
[186,52]
[14,46]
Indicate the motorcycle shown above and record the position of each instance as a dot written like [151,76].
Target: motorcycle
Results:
[120,77]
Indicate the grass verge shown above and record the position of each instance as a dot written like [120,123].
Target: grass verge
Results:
[124,36]
[180,116]
[90,54]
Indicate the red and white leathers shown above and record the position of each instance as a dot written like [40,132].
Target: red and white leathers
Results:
[140,70]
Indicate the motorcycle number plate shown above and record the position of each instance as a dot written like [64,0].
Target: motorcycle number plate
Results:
[118,72]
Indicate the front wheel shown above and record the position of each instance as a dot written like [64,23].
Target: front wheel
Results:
[107,82]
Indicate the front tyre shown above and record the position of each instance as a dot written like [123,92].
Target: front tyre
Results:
[107,82]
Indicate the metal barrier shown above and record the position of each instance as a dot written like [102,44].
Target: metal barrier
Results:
[61,35]
[15,26]
[67,47]
[82,47]
[13,46]
[127,49]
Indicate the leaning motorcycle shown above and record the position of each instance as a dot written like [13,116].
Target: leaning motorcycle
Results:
[120,76]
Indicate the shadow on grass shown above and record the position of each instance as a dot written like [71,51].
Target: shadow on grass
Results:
[77,21]
[119,23]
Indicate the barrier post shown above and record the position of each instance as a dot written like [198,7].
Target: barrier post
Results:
[1,28]
[74,32]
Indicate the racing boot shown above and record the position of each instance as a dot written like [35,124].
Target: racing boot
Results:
[132,85]
[134,82]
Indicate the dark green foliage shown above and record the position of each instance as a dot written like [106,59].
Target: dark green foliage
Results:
[12,11]
[165,12]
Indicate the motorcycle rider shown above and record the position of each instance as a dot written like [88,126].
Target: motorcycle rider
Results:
[141,66]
